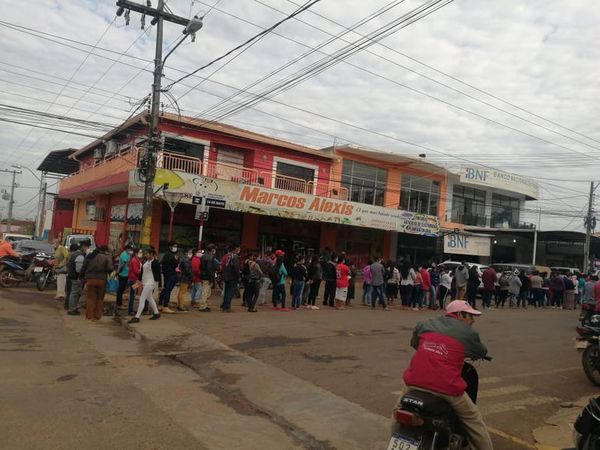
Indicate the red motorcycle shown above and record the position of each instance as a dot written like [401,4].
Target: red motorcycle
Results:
[44,272]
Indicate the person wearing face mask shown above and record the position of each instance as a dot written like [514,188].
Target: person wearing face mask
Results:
[122,272]
[185,278]
[168,263]
[133,275]
[196,278]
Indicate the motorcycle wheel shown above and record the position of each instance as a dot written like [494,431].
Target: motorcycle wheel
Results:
[41,281]
[591,363]
[6,277]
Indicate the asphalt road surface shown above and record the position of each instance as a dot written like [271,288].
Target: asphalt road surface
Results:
[360,354]
[59,391]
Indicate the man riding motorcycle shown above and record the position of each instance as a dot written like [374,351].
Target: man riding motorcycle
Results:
[442,344]
[7,250]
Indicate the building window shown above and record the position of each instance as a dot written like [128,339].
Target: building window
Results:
[294,177]
[468,206]
[365,183]
[183,147]
[420,195]
[505,211]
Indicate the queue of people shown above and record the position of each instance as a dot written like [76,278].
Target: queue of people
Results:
[249,277]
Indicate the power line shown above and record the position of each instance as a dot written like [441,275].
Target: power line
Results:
[72,76]
[253,38]
[387,47]
[295,123]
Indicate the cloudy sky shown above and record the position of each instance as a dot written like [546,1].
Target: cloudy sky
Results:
[508,84]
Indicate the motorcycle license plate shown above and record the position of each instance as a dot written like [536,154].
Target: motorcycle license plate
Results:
[38,269]
[581,345]
[398,442]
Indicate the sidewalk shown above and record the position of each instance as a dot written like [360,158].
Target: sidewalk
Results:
[224,398]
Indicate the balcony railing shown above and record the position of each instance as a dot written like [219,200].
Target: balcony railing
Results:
[127,160]
[240,174]
[470,219]
[102,168]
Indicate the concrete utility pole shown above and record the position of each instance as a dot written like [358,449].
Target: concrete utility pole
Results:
[11,200]
[590,225]
[147,163]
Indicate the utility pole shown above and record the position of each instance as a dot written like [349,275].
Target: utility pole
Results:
[590,225]
[147,163]
[11,200]
[42,213]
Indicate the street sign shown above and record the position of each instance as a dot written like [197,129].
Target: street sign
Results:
[216,202]
[201,213]
[196,200]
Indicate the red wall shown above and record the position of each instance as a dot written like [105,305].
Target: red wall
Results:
[259,156]
[61,219]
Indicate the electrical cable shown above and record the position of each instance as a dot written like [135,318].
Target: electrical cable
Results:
[81,64]
[335,58]
[318,130]
[253,38]
[387,47]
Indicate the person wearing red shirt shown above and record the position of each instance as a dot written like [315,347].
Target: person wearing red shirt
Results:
[133,274]
[425,287]
[442,344]
[196,279]
[341,284]
[597,296]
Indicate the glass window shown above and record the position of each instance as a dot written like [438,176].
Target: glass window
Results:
[182,147]
[468,206]
[294,178]
[291,170]
[420,195]
[505,211]
[365,183]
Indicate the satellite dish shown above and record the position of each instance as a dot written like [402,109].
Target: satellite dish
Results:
[5,196]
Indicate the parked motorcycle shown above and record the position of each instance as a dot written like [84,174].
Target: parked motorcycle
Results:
[588,343]
[12,273]
[44,272]
[587,311]
[427,422]
[586,430]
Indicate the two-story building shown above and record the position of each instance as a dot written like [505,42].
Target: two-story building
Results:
[262,192]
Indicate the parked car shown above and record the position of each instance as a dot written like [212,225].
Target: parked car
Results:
[29,246]
[452,265]
[77,238]
[564,270]
[511,267]
[13,238]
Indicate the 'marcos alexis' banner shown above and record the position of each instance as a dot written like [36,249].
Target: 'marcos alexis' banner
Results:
[287,204]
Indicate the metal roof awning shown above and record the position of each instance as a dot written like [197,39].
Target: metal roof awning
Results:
[58,162]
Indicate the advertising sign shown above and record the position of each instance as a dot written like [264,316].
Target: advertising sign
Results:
[462,244]
[289,204]
[500,180]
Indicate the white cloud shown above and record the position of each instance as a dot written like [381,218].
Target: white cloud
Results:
[539,55]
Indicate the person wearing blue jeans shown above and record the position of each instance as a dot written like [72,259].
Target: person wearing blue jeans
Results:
[297,289]
[278,280]
[377,293]
[487,298]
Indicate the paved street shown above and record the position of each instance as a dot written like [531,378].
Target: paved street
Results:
[302,379]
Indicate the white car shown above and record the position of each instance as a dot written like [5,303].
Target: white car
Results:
[452,265]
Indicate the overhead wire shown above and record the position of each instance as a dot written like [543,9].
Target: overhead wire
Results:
[298,124]
[75,72]
[333,59]
[395,50]
[245,43]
